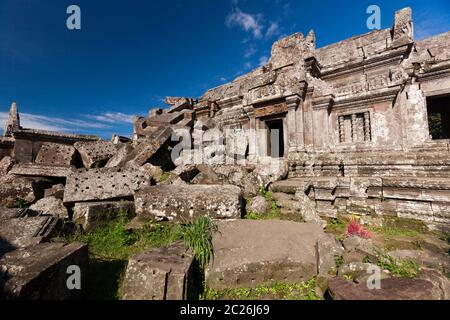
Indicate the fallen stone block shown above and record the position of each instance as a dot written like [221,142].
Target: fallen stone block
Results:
[391,289]
[56,191]
[27,190]
[248,253]
[241,176]
[104,184]
[120,157]
[24,227]
[55,154]
[328,249]
[91,214]
[95,153]
[154,171]
[257,205]
[6,163]
[186,202]
[149,146]
[186,172]
[160,274]
[40,170]
[51,206]
[41,272]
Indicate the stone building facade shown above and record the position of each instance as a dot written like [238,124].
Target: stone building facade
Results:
[363,123]
[24,144]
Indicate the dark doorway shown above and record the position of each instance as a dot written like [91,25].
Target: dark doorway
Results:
[438,108]
[275,139]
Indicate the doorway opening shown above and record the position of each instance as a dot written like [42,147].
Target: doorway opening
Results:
[438,109]
[275,138]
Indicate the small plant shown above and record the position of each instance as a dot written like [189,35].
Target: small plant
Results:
[197,237]
[339,260]
[336,225]
[165,176]
[16,203]
[275,290]
[357,229]
[398,267]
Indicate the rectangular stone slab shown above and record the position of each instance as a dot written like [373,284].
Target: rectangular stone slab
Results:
[41,170]
[104,184]
[90,214]
[160,274]
[56,154]
[95,153]
[248,253]
[40,272]
[186,202]
[149,146]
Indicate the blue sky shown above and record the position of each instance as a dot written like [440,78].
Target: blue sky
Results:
[130,54]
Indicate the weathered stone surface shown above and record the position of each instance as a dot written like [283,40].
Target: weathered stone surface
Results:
[95,153]
[178,202]
[307,208]
[441,282]
[120,157]
[91,214]
[150,145]
[55,154]
[153,171]
[186,172]
[248,253]
[160,274]
[52,206]
[56,191]
[328,250]
[6,163]
[104,184]
[27,189]
[257,205]
[391,289]
[269,170]
[240,176]
[20,228]
[439,261]
[40,272]
[41,170]
[357,243]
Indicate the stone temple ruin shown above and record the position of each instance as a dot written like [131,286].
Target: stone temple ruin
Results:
[359,127]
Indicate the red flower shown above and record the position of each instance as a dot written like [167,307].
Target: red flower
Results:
[356,229]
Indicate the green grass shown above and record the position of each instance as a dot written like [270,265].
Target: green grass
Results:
[397,267]
[17,203]
[112,244]
[276,290]
[336,226]
[197,237]
[274,211]
[165,176]
[399,227]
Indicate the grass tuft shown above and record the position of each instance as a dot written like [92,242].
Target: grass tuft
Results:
[197,237]
[275,290]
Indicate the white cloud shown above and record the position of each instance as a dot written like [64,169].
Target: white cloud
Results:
[273,30]
[248,22]
[250,51]
[263,61]
[41,122]
[113,117]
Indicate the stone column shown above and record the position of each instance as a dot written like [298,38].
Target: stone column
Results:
[354,129]
[292,103]
[341,129]
[251,135]
[367,126]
